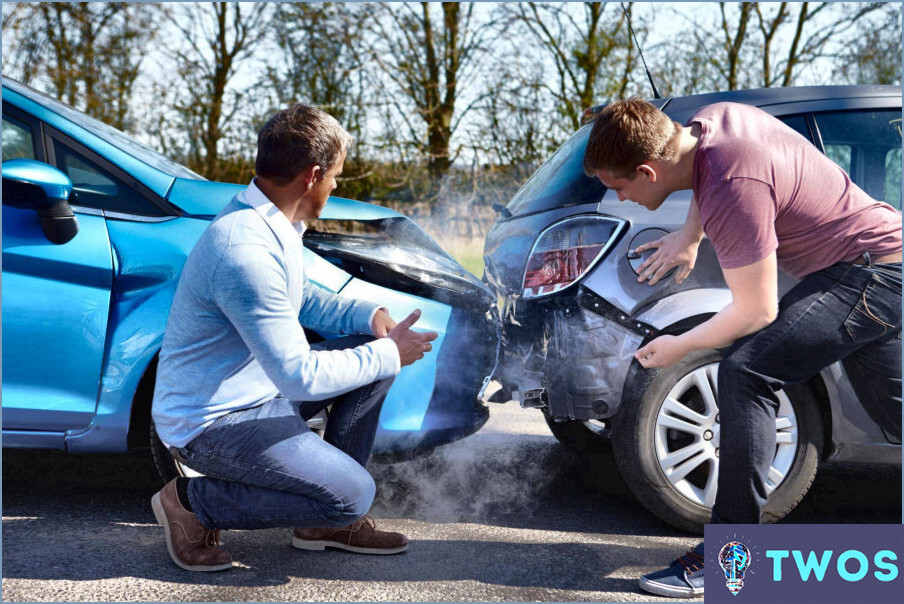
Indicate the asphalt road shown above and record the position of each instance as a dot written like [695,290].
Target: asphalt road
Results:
[506,515]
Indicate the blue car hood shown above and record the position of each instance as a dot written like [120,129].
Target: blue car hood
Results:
[205,199]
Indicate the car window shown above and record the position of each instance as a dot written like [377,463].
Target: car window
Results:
[867,145]
[95,187]
[561,181]
[18,142]
[799,124]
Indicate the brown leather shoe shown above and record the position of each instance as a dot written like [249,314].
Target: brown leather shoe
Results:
[190,544]
[361,537]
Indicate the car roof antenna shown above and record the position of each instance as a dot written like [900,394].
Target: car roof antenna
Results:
[656,94]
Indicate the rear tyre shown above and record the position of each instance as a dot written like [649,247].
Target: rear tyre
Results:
[666,437]
[589,437]
[166,465]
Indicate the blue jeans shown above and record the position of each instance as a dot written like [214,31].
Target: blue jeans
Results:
[263,467]
[846,312]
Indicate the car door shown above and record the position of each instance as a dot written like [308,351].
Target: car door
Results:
[56,304]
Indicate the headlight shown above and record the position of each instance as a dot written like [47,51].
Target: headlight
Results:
[566,251]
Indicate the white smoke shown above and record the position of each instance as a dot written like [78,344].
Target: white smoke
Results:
[488,474]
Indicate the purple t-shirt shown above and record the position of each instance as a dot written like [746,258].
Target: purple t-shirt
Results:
[762,187]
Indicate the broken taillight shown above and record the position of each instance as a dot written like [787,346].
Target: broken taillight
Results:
[566,251]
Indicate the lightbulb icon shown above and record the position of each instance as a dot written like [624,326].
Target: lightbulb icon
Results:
[734,558]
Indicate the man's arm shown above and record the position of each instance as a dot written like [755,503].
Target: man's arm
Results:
[675,249]
[754,305]
[325,311]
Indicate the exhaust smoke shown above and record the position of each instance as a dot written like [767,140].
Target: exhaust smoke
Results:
[483,476]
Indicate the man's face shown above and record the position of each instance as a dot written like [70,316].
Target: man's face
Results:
[316,197]
[644,189]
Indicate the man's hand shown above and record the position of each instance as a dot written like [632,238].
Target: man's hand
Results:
[662,352]
[412,345]
[382,324]
[673,250]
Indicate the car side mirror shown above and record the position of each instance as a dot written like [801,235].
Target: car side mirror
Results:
[33,185]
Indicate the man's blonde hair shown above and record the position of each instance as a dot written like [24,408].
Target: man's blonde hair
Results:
[627,134]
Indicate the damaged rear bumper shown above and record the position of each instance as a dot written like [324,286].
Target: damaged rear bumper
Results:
[569,356]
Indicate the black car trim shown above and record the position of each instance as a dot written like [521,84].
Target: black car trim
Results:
[814,130]
[607,310]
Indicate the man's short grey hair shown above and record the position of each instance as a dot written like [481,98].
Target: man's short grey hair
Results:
[297,138]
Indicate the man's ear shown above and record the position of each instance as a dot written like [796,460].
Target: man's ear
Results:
[648,171]
[308,177]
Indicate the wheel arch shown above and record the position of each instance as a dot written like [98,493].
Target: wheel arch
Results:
[816,384]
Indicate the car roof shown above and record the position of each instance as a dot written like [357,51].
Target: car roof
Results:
[680,108]
[764,97]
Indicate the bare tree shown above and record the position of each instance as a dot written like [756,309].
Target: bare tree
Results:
[215,38]
[873,54]
[322,46]
[816,26]
[765,44]
[734,32]
[90,53]
[589,48]
[428,52]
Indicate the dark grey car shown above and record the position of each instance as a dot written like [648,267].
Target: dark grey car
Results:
[573,313]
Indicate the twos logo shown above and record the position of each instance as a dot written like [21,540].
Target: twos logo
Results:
[802,564]
[734,558]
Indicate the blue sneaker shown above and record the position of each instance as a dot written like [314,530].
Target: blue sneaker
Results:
[683,579]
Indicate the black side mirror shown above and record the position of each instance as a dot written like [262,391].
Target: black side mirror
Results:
[33,185]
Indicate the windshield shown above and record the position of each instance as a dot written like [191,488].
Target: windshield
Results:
[561,181]
[110,134]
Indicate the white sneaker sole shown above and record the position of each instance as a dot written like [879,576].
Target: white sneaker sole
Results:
[660,589]
[319,546]
[160,515]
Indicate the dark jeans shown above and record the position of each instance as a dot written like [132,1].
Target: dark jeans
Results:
[265,468]
[849,313]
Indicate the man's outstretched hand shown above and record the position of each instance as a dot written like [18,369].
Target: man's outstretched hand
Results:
[412,344]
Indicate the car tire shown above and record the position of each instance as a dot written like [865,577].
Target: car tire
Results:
[586,437]
[163,460]
[643,441]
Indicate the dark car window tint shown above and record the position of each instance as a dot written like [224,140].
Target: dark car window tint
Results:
[18,142]
[561,181]
[96,187]
[799,124]
[867,145]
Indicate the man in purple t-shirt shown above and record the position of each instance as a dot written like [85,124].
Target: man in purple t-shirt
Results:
[768,200]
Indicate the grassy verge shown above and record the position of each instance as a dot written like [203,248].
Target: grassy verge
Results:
[467,250]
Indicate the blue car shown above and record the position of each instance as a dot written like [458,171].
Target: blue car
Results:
[96,229]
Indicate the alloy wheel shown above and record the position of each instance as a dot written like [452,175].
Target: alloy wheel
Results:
[688,433]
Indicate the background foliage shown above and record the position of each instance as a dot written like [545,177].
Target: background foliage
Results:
[453,105]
